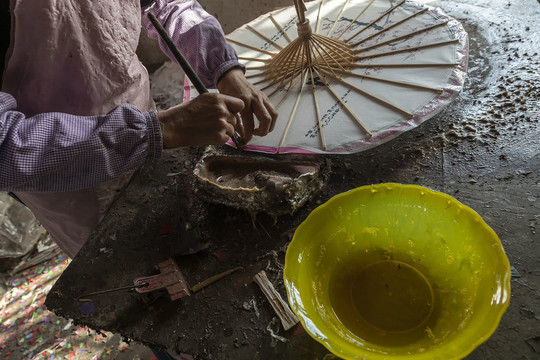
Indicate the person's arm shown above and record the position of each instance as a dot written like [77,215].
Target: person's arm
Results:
[200,38]
[197,34]
[62,152]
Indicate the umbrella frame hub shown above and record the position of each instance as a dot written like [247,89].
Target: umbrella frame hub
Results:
[304,30]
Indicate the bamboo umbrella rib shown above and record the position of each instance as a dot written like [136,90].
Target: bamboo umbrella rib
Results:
[389,27]
[255,74]
[285,56]
[291,117]
[256,32]
[263,80]
[281,30]
[282,62]
[307,54]
[289,67]
[407,49]
[317,110]
[284,95]
[358,121]
[342,103]
[285,66]
[356,18]
[334,44]
[337,17]
[336,57]
[404,36]
[374,97]
[255,68]
[402,83]
[402,65]
[254,59]
[318,22]
[250,47]
[279,75]
[344,53]
[300,59]
[267,75]
[324,58]
[316,48]
[377,19]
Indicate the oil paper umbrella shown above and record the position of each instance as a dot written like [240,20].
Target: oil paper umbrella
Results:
[349,75]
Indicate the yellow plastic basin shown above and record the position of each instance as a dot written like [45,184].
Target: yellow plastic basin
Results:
[396,271]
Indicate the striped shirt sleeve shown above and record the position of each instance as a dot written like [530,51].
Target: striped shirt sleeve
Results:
[62,152]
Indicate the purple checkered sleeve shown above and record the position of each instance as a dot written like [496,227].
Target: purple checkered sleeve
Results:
[198,36]
[62,152]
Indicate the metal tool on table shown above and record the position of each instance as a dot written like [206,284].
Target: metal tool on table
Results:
[190,73]
[170,278]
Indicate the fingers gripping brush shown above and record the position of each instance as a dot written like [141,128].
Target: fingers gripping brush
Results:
[190,73]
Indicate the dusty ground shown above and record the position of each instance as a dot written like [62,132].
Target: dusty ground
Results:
[29,331]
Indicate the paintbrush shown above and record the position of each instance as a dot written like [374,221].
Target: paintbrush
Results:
[190,73]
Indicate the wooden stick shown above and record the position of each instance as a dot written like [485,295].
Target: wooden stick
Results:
[388,27]
[341,50]
[317,111]
[404,36]
[265,60]
[342,57]
[250,47]
[337,18]
[377,19]
[402,65]
[353,115]
[253,68]
[278,26]
[396,82]
[286,92]
[264,37]
[374,97]
[282,309]
[290,64]
[318,22]
[259,74]
[325,59]
[213,279]
[293,111]
[407,49]
[356,18]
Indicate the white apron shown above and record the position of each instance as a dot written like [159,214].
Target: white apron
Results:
[76,57]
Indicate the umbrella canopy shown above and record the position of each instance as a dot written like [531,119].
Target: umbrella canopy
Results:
[349,75]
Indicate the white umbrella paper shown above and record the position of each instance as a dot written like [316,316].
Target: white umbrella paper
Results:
[346,76]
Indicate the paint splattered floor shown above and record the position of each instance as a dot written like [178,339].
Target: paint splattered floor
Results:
[29,331]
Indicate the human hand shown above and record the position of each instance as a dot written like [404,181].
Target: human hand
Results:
[234,83]
[209,119]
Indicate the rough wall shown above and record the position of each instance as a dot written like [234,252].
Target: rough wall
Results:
[233,14]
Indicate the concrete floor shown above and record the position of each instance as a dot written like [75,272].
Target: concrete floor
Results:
[484,150]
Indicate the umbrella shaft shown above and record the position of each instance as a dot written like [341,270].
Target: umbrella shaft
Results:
[300,9]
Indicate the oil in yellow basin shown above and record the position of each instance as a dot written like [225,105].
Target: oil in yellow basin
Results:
[396,271]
